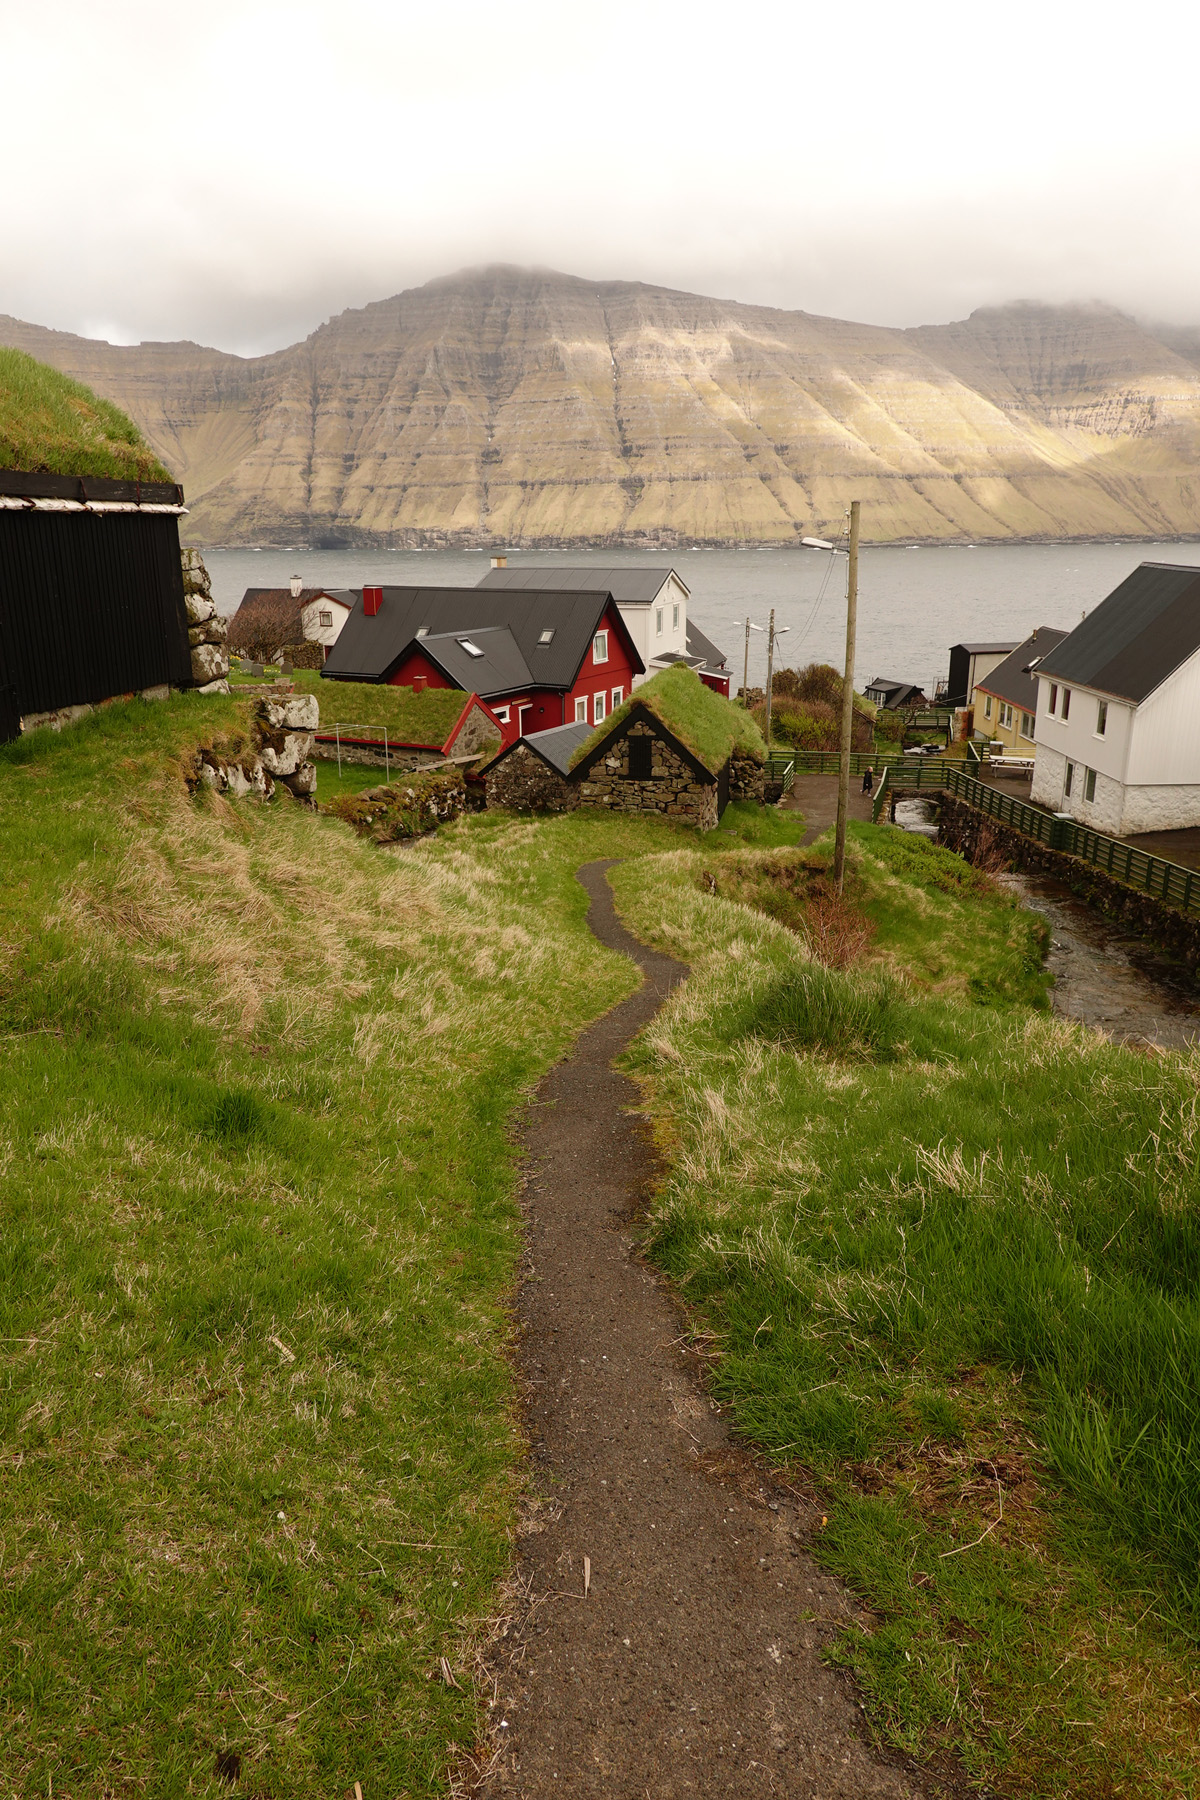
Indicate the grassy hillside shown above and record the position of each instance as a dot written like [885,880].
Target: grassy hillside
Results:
[51,424]
[256,1183]
[941,1249]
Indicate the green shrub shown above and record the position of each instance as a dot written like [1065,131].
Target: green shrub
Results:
[815,1008]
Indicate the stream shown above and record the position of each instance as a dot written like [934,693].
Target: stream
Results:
[1104,975]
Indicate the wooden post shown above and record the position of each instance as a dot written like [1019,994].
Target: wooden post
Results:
[746,667]
[843,806]
[770,676]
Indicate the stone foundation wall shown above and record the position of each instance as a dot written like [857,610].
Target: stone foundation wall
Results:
[673,790]
[747,779]
[280,750]
[524,783]
[207,630]
[966,830]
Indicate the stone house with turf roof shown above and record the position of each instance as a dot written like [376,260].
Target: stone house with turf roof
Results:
[675,748]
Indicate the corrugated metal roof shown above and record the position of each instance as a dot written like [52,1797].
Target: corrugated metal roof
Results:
[628,586]
[1141,633]
[367,649]
[558,743]
[1008,680]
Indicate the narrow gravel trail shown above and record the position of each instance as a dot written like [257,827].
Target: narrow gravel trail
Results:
[688,1668]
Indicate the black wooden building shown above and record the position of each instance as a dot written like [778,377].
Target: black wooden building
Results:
[91,592]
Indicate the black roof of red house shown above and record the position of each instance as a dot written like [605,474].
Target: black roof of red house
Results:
[517,639]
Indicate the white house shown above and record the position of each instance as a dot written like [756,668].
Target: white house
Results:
[323,615]
[295,612]
[652,602]
[1117,732]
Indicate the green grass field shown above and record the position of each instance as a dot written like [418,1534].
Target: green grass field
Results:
[257,1187]
[259,1450]
[942,1249]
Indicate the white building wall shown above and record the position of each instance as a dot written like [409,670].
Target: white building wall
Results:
[642,621]
[1166,735]
[323,634]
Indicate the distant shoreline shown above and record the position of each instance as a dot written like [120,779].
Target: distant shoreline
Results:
[596,546]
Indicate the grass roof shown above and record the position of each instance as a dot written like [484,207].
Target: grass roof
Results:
[709,725]
[50,424]
[411,718]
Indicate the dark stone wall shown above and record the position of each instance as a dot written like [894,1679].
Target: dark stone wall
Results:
[968,831]
[524,783]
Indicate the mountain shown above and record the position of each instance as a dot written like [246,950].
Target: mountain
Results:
[508,406]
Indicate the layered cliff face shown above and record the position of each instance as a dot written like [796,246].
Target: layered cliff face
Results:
[522,406]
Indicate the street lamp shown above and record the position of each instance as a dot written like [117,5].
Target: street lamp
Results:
[843,806]
[772,634]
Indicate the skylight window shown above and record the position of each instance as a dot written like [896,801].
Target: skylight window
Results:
[547,637]
[470,648]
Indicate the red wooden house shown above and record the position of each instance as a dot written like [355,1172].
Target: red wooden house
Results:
[537,658]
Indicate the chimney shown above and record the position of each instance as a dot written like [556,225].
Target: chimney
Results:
[372,601]
[420,683]
[296,585]
[499,562]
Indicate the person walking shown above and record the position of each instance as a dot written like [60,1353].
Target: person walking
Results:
[868,785]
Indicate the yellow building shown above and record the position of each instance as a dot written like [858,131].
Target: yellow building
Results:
[1006,698]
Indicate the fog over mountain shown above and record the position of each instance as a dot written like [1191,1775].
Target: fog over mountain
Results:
[506,406]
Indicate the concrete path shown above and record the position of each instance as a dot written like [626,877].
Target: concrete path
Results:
[666,1644]
[816,797]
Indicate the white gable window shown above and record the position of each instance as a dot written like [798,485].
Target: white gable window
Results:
[581,712]
[675,617]
[658,621]
[1101,717]
[598,708]
[325,618]
[600,647]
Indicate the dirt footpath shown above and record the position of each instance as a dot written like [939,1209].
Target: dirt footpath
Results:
[692,1665]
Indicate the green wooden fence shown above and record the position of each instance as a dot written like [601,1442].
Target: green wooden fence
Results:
[1172,882]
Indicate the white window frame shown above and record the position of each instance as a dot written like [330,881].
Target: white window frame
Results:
[987,706]
[1068,780]
[1028,726]
[658,621]
[1053,706]
[618,696]
[581,710]
[501,713]
[1089,785]
[599,708]
[1066,705]
[600,647]
[1101,717]
[1006,715]
[675,616]
[325,619]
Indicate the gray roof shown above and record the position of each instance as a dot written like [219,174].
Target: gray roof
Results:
[628,586]
[1134,639]
[704,648]
[497,670]
[558,744]
[512,623]
[1009,680]
[986,649]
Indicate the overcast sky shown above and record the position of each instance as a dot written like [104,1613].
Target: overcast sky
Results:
[235,173]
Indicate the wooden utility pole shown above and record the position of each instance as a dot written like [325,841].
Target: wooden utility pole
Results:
[843,807]
[746,666]
[770,673]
